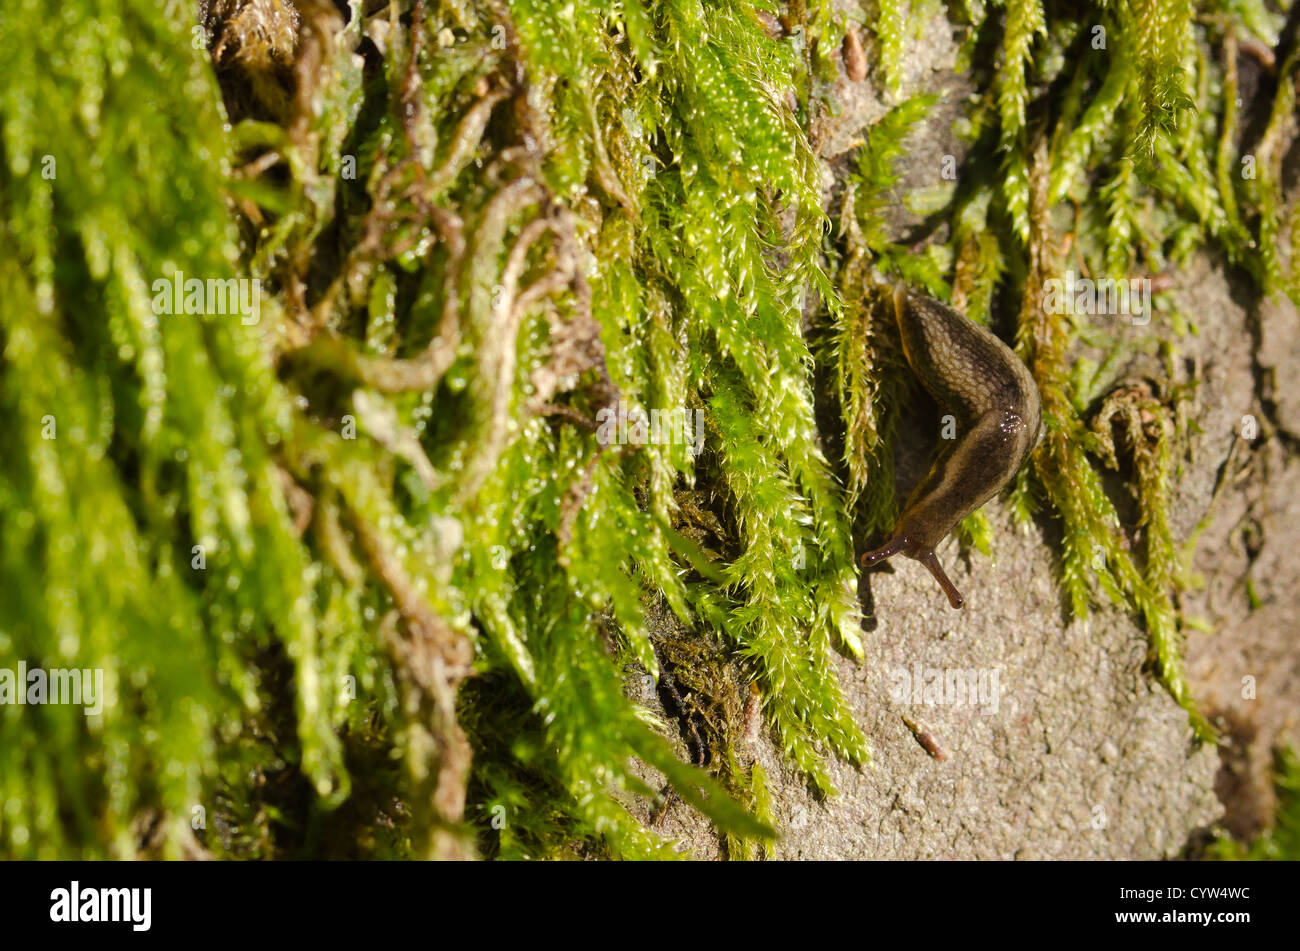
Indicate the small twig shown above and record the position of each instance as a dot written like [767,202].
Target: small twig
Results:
[753,716]
[574,416]
[258,165]
[574,497]
[464,143]
[925,739]
[301,502]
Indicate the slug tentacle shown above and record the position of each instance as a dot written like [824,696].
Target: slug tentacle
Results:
[991,394]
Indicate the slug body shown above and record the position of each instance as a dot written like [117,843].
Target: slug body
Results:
[855,60]
[975,377]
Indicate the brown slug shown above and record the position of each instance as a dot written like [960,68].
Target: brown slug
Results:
[855,60]
[975,377]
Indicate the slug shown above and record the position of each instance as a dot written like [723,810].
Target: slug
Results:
[992,395]
[855,60]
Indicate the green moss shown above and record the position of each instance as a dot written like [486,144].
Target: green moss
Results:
[1280,842]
